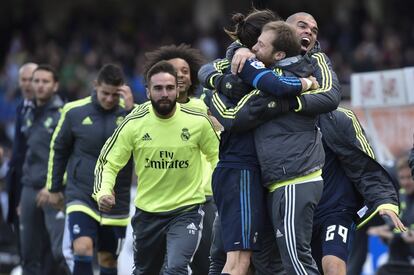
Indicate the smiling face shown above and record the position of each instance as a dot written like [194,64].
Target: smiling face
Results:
[183,74]
[306,28]
[107,95]
[263,49]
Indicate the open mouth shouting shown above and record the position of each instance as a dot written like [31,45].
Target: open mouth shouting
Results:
[305,42]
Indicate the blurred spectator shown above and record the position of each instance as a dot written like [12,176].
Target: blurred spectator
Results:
[78,40]
[411,161]
[14,173]
[401,244]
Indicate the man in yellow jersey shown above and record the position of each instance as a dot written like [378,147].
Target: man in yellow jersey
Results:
[166,141]
[187,61]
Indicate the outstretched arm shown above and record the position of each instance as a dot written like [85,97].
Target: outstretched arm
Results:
[266,80]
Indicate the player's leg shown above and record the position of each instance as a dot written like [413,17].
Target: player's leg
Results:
[67,246]
[337,231]
[32,231]
[55,225]
[217,253]
[267,260]
[183,238]
[149,234]
[292,208]
[109,243]
[83,231]
[201,262]
[242,218]
[316,243]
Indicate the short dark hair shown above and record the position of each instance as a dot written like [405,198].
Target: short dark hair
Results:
[48,68]
[192,56]
[111,74]
[248,28]
[161,67]
[286,39]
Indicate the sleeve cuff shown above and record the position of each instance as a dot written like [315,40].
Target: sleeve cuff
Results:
[295,104]
[389,206]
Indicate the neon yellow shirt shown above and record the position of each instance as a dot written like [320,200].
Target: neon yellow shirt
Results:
[167,157]
[199,105]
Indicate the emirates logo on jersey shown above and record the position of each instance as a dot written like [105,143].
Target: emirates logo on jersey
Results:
[166,161]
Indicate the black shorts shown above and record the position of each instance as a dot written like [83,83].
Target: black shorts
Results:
[332,235]
[240,200]
[108,238]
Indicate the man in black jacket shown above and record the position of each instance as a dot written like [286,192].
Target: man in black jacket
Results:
[356,188]
[401,244]
[40,224]
[82,130]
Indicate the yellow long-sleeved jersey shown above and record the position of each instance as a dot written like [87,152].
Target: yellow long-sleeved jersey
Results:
[166,154]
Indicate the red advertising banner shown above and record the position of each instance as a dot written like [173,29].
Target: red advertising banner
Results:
[393,126]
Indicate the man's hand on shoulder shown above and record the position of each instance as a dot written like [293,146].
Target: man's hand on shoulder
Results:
[240,58]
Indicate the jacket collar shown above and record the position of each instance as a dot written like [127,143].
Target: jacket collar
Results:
[316,48]
[288,61]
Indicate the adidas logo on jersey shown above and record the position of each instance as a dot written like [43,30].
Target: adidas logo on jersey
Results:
[87,121]
[146,137]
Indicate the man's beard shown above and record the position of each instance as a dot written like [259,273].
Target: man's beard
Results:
[161,106]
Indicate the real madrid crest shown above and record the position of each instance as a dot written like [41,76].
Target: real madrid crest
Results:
[185,134]
[48,122]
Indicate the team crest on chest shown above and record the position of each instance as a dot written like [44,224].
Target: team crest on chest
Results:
[185,134]
[48,122]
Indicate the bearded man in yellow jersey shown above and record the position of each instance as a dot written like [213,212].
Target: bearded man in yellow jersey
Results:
[187,61]
[166,141]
